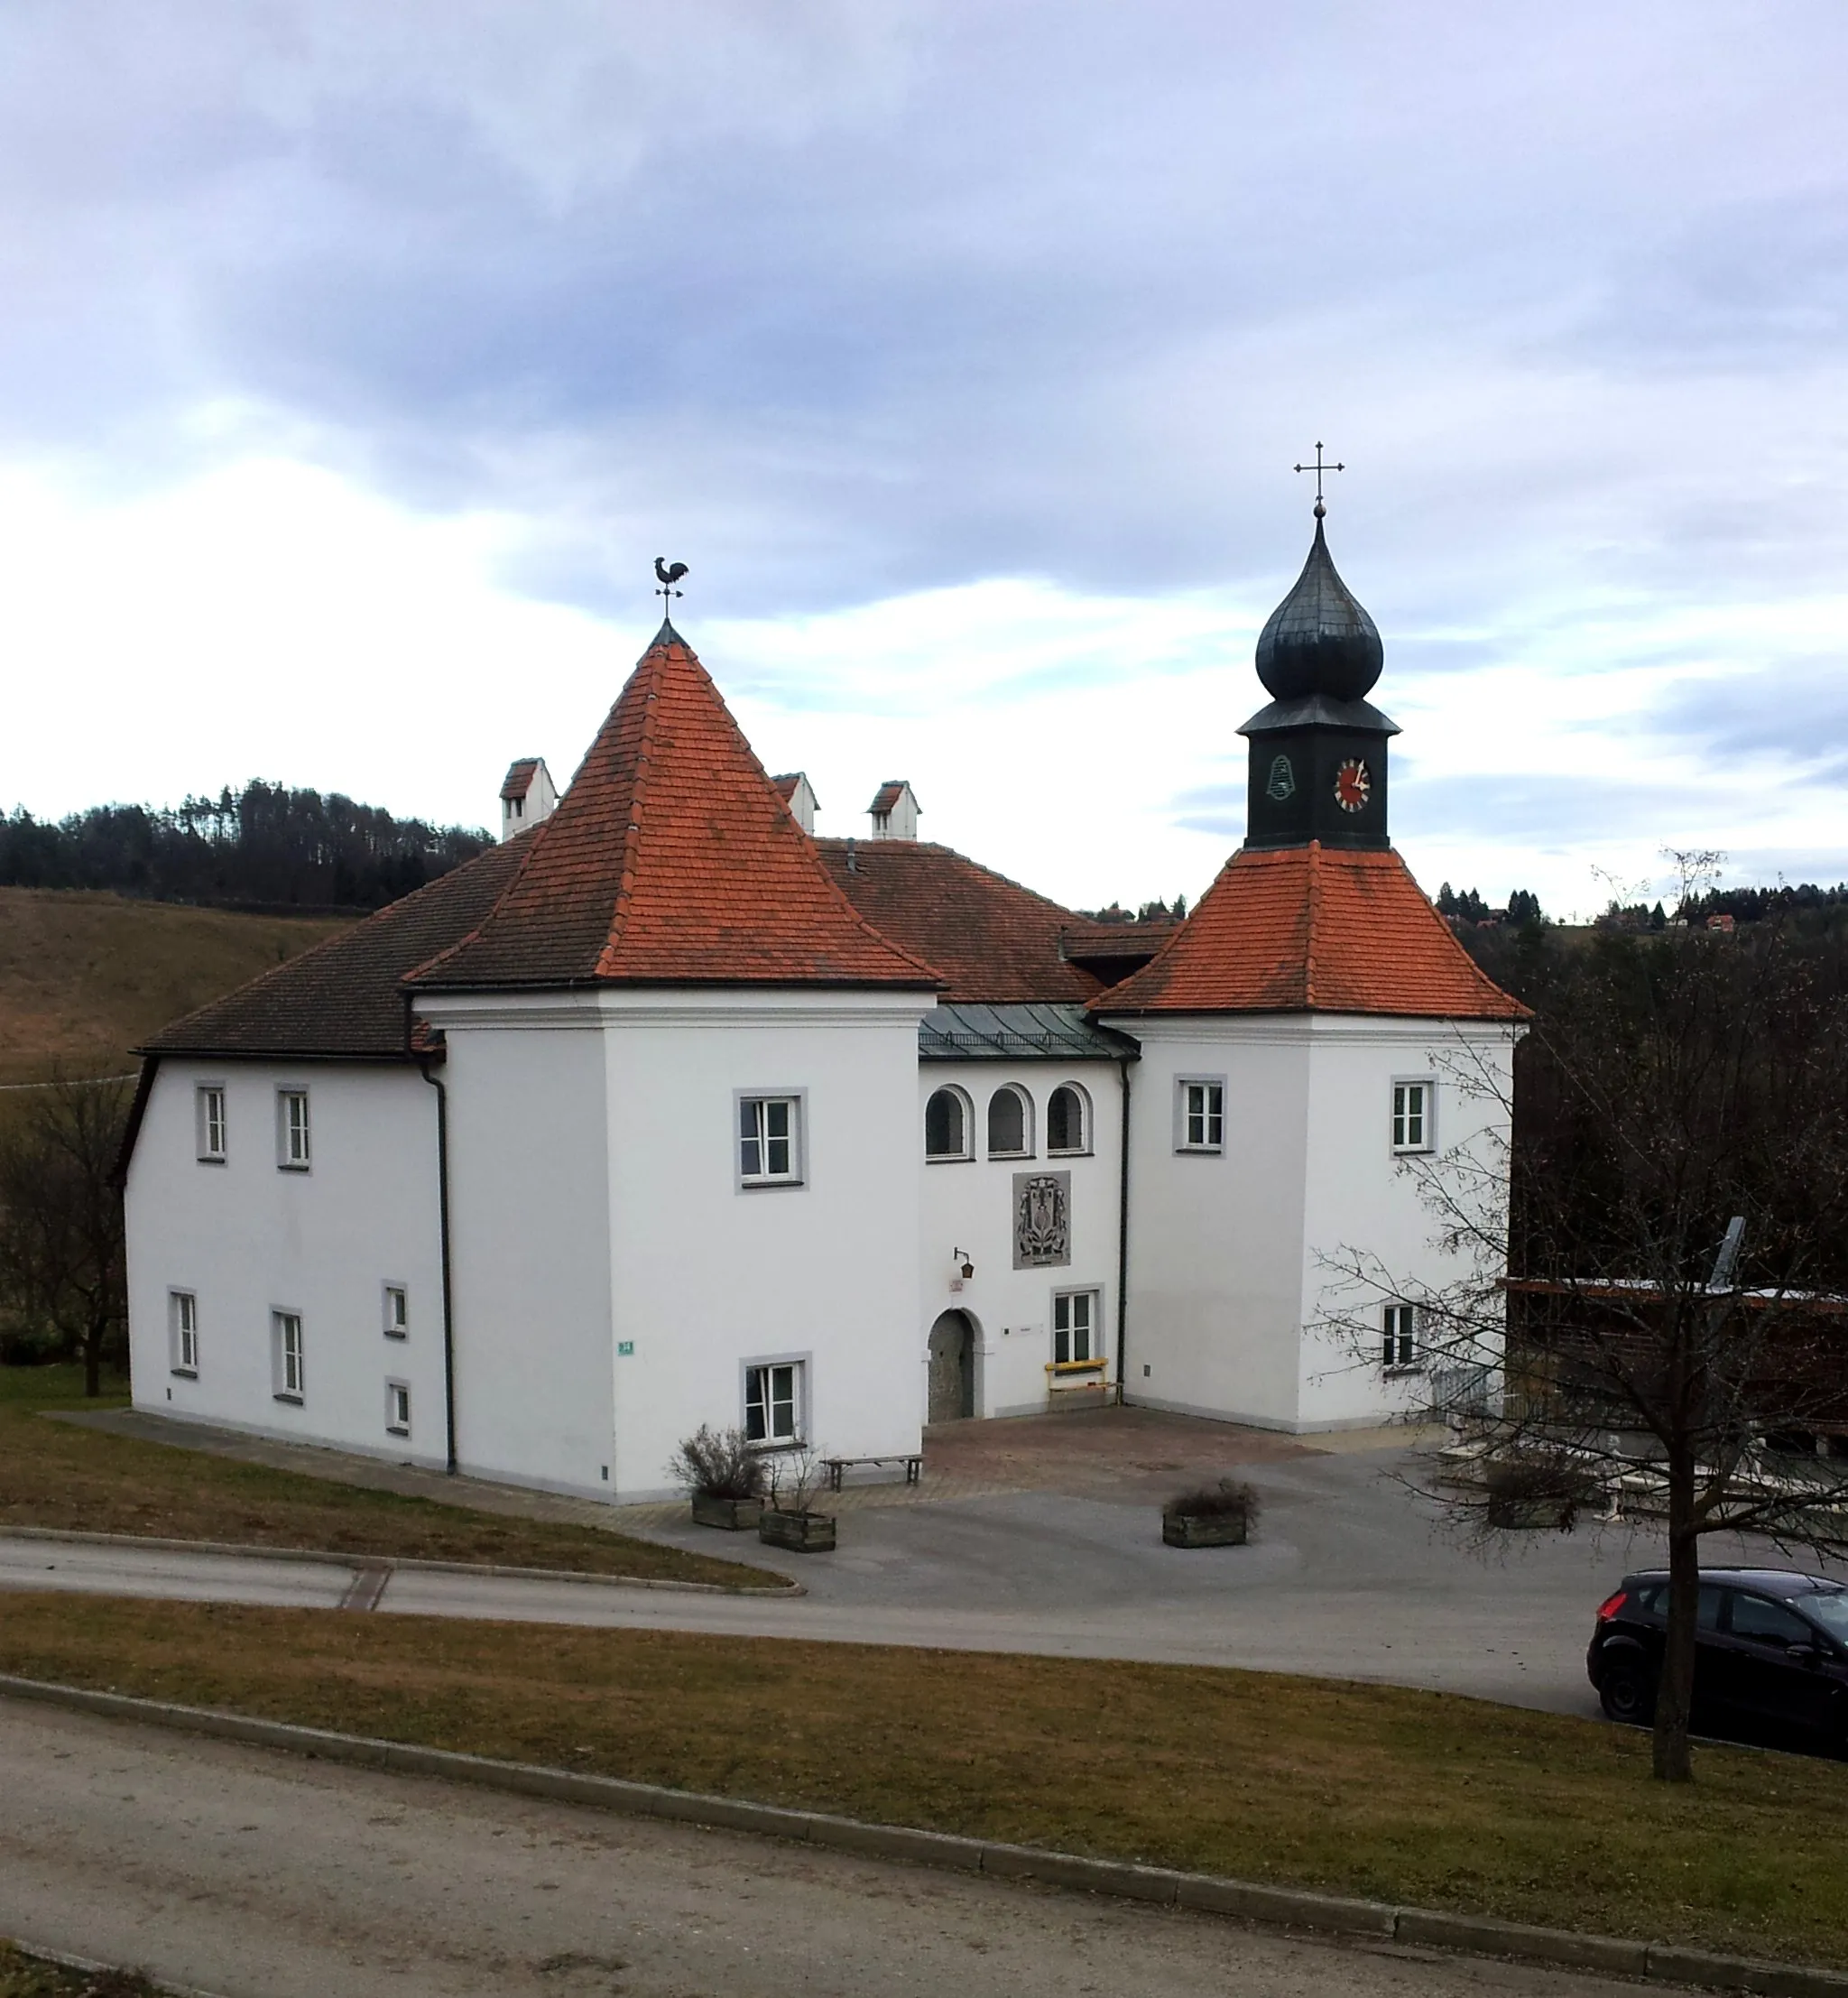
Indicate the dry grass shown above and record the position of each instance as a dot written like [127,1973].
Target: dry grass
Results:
[83,977]
[29,1977]
[56,1474]
[1412,1797]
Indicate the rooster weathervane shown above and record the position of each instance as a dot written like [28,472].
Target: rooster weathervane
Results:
[666,574]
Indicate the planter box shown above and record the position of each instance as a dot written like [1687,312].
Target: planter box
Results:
[1204,1530]
[797,1532]
[734,1515]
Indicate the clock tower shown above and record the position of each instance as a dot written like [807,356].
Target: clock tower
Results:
[1318,751]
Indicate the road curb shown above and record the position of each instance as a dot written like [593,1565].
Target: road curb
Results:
[1244,1901]
[777,1591]
[37,1952]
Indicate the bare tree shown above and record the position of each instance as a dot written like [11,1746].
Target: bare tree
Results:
[61,1254]
[1674,1209]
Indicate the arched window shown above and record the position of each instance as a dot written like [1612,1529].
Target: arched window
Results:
[1009,1124]
[947,1125]
[1068,1120]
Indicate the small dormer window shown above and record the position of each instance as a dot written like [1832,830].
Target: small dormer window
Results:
[518,807]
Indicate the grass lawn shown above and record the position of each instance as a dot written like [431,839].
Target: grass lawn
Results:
[53,1474]
[1420,1797]
[23,1977]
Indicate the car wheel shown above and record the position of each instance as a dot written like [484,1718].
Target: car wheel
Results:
[1627,1695]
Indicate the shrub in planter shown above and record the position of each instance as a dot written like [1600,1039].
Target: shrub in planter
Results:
[723,1476]
[1523,1494]
[786,1520]
[1216,1515]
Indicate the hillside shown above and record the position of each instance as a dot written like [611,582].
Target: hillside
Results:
[84,977]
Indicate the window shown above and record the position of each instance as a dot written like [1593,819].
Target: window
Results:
[518,807]
[1401,1335]
[1200,1104]
[291,1130]
[770,1141]
[947,1125]
[397,1311]
[1010,1124]
[1768,1623]
[773,1403]
[1068,1128]
[1076,1336]
[182,1327]
[209,1112]
[1412,1116]
[398,1407]
[285,1334]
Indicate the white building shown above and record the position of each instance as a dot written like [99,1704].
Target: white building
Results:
[666,1112]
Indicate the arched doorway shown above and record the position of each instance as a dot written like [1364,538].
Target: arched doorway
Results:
[952,1368]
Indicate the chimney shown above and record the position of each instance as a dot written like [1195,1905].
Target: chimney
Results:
[798,794]
[894,812]
[527,795]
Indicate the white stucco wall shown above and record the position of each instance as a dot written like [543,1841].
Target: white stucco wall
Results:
[1362,1197]
[248,1239]
[1216,1240]
[967,1204]
[1230,1280]
[530,1240]
[611,1278]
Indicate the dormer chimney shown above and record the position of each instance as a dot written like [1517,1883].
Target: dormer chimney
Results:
[798,794]
[894,812]
[528,794]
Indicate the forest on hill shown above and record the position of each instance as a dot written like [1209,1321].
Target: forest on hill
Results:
[269,847]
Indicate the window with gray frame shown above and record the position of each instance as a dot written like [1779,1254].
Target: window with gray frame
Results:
[397,1311]
[1200,1113]
[1009,1124]
[286,1353]
[1412,1116]
[1076,1327]
[947,1125]
[208,1117]
[770,1141]
[398,1408]
[292,1151]
[773,1403]
[1400,1335]
[182,1327]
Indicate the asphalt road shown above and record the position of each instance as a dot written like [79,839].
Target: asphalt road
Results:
[1349,1576]
[253,1874]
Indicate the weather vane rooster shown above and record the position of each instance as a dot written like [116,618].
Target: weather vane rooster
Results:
[666,574]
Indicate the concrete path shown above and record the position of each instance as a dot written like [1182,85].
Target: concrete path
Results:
[252,1874]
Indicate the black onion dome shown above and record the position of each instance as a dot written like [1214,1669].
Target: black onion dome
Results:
[1320,640]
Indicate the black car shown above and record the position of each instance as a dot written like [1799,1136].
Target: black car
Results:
[1771,1652]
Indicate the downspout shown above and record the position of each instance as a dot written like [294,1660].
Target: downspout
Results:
[1122,1234]
[441,1089]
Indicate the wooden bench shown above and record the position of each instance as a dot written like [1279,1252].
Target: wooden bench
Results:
[837,1467]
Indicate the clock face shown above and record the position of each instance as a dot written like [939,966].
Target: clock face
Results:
[1353,786]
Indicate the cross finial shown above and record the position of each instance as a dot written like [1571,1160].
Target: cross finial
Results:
[666,574]
[1318,468]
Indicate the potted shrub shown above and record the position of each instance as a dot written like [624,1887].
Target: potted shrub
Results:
[723,1477]
[786,1520]
[1216,1515]
[1519,1494]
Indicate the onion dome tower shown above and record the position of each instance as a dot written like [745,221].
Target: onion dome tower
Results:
[1318,751]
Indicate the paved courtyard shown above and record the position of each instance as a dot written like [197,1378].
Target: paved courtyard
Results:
[1043,1534]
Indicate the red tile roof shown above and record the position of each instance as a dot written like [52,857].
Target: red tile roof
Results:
[887,794]
[671,860]
[518,778]
[344,998]
[990,938]
[1313,930]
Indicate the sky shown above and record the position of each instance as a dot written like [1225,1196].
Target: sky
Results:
[356,362]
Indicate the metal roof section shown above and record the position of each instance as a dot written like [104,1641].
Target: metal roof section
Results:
[1041,1031]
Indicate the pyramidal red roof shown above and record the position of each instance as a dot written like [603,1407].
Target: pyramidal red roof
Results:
[1313,930]
[671,860]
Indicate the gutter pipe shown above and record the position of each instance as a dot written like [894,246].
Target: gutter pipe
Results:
[441,1089]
